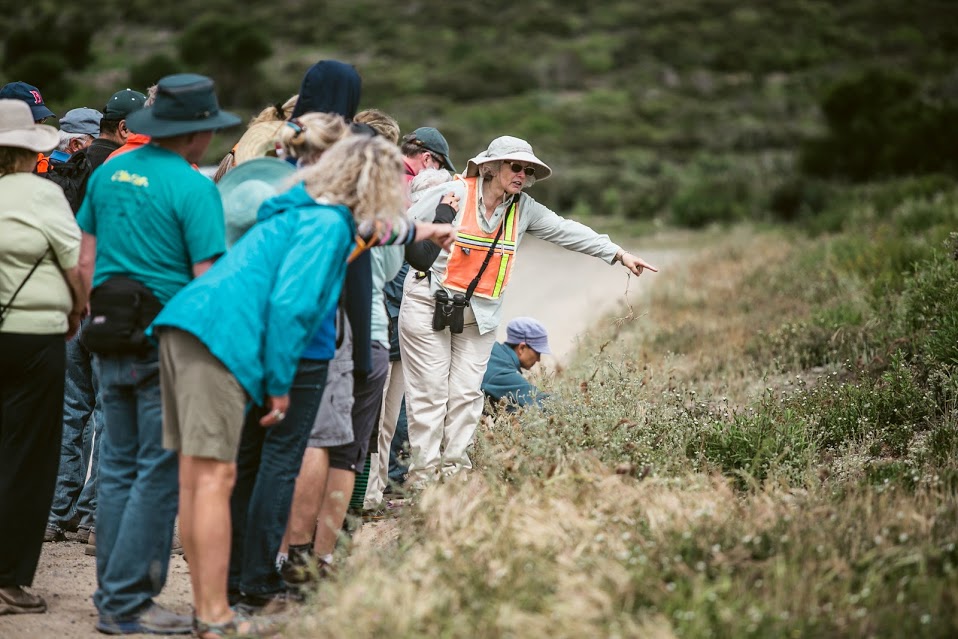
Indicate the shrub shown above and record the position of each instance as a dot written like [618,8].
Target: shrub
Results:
[150,70]
[719,199]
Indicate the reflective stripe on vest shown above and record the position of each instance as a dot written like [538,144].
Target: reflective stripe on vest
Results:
[472,245]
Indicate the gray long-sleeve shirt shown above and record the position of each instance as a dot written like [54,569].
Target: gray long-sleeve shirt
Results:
[534,218]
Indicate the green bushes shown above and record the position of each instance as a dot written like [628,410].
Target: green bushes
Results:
[880,125]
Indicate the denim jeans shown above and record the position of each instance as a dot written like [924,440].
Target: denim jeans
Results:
[138,488]
[267,465]
[75,494]
[399,448]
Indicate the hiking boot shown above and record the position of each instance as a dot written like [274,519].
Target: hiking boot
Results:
[53,533]
[154,620]
[83,535]
[91,545]
[14,600]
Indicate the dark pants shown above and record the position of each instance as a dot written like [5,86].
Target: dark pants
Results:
[267,466]
[367,404]
[75,495]
[399,450]
[32,369]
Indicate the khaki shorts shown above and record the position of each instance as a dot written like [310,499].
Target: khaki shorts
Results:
[203,404]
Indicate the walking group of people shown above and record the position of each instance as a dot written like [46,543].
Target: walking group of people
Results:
[233,354]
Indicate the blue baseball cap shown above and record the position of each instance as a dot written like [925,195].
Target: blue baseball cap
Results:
[29,94]
[530,331]
[82,120]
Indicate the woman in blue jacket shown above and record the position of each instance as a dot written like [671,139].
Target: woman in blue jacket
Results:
[238,333]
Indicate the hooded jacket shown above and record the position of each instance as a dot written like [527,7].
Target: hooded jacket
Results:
[329,87]
[254,309]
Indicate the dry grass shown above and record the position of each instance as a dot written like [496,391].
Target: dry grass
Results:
[680,488]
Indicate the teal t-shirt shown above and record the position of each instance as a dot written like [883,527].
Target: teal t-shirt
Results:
[154,216]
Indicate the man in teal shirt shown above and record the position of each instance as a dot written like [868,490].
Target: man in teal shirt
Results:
[526,341]
[149,216]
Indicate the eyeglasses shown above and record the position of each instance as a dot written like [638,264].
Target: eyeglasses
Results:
[518,168]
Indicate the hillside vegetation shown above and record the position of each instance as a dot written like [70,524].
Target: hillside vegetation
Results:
[689,111]
[768,445]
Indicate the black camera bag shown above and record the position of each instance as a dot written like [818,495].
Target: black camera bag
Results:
[120,311]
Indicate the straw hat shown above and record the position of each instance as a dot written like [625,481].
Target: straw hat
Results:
[258,141]
[509,148]
[18,130]
[245,188]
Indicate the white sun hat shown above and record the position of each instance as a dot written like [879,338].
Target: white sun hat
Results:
[17,128]
[508,148]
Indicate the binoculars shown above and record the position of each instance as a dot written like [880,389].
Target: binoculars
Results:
[448,312]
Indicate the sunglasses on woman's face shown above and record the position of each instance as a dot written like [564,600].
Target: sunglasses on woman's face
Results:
[518,168]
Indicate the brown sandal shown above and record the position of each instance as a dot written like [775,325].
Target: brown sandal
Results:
[257,628]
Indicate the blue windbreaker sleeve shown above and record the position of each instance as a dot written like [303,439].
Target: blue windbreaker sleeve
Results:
[307,288]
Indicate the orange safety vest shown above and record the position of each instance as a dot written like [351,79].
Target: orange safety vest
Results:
[472,245]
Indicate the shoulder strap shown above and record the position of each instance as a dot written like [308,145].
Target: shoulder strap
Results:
[510,210]
[4,309]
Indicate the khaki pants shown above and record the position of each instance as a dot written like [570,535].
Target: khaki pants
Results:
[443,384]
[379,462]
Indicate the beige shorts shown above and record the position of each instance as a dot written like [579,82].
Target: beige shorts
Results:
[203,404]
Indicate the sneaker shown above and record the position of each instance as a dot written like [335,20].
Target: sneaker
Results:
[53,533]
[154,620]
[14,600]
[91,545]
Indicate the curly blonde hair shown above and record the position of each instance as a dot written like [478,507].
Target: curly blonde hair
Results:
[306,137]
[363,173]
[384,124]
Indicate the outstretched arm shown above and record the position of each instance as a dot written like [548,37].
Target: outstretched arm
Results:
[633,262]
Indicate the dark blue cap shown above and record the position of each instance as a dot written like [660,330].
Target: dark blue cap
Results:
[29,94]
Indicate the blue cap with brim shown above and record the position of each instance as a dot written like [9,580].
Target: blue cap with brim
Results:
[185,103]
[29,94]
[530,331]
[244,189]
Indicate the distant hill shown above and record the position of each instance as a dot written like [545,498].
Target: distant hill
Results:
[630,101]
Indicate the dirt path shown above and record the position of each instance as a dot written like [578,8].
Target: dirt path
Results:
[570,292]
[566,291]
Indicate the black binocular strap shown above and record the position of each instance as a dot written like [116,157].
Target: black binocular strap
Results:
[482,269]
[4,309]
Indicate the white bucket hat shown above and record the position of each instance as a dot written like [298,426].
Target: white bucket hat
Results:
[18,130]
[508,148]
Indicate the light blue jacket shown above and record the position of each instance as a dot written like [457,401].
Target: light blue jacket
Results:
[257,307]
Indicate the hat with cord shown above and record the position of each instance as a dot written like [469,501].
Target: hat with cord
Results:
[529,331]
[185,103]
[509,148]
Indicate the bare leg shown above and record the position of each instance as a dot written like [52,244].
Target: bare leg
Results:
[307,497]
[205,487]
[332,512]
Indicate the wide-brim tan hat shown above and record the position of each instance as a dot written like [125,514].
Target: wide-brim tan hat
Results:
[258,141]
[509,148]
[17,128]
